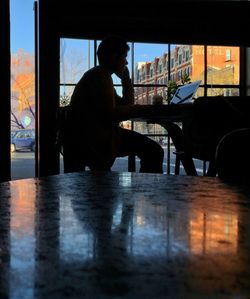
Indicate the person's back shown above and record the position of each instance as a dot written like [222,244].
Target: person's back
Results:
[87,98]
[91,113]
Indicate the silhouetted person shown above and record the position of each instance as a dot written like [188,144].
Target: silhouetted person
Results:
[92,136]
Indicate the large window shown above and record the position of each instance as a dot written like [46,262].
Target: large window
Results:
[157,69]
[153,66]
[223,70]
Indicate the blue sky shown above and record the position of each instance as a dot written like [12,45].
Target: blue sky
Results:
[22,25]
[22,32]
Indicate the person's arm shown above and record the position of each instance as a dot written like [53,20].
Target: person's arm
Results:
[106,102]
[127,89]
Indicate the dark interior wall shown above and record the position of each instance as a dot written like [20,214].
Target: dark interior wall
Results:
[190,22]
[48,97]
[5,91]
[196,22]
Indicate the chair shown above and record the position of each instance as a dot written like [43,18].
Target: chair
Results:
[178,158]
[230,165]
[181,150]
[211,119]
[214,117]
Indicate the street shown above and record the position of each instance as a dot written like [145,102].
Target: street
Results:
[23,164]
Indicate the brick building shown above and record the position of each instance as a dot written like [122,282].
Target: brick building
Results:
[222,68]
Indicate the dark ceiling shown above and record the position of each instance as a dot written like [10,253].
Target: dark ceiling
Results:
[196,22]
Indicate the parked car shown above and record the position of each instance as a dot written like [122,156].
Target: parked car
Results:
[12,133]
[23,140]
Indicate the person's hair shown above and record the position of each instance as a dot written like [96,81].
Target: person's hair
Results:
[110,46]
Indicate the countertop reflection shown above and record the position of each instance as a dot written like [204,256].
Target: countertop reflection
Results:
[124,235]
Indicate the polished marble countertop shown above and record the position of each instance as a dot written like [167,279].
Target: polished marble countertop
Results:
[124,235]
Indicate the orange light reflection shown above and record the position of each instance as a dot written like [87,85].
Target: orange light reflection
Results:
[213,232]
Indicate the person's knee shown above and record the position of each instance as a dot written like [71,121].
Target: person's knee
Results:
[154,152]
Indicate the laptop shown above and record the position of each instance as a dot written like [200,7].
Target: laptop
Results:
[184,94]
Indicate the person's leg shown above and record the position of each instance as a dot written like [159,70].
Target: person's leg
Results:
[73,159]
[149,152]
[97,164]
[76,158]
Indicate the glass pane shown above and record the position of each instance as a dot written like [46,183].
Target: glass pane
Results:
[65,95]
[22,135]
[196,63]
[145,95]
[152,64]
[76,57]
[150,53]
[223,64]
[187,63]
[22,139]
[223,92]
[199,93]
[149,129]
[150,67]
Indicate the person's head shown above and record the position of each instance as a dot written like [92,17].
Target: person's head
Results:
[112,53]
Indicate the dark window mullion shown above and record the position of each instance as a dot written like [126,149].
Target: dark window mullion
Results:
[95,52]
[132,63]
[205,73]
[243,71]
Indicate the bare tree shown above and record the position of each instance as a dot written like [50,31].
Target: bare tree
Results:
[22,88]
[74,62]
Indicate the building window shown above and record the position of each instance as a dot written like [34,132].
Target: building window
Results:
[180,59]
[228,54]
[172,63]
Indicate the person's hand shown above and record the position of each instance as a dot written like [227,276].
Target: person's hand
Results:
[124,74]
